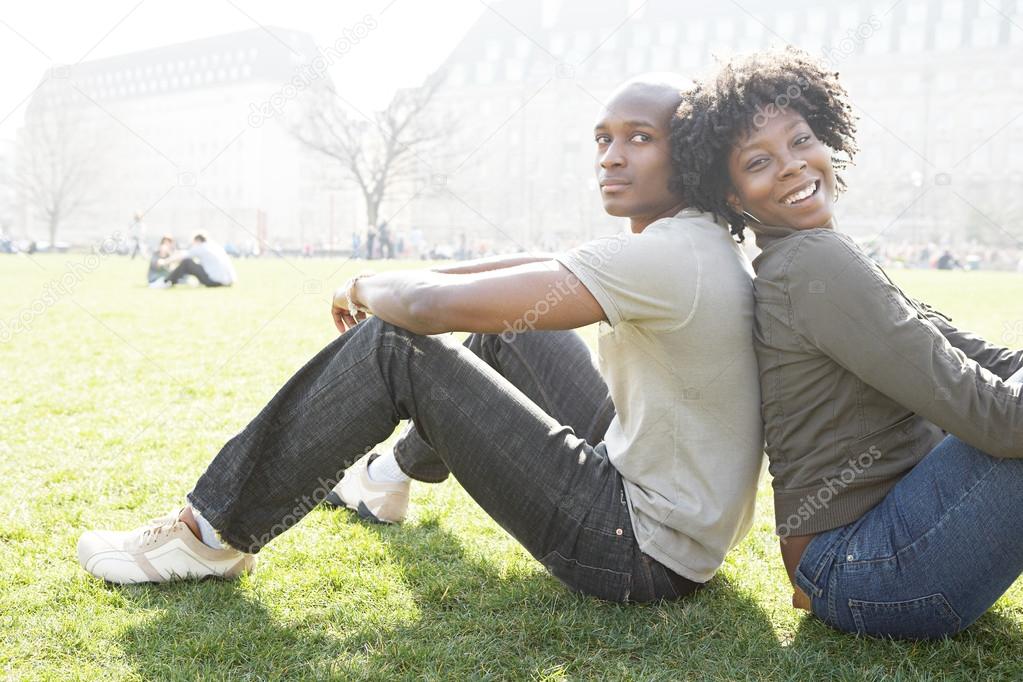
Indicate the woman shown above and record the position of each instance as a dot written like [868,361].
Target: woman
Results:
[638,503]
[888,527]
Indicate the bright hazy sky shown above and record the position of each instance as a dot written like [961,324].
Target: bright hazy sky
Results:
[413,37]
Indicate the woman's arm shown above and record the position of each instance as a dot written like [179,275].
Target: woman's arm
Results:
[1002,362]
[516,299]
[843,305]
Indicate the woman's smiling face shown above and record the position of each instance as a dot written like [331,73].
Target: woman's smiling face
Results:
[782,175]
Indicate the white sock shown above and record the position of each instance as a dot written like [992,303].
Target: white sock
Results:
[385,469]
[209,536]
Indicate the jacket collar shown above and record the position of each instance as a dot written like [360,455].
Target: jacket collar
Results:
[768,235]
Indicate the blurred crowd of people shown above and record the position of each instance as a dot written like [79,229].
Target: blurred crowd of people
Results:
[947,257]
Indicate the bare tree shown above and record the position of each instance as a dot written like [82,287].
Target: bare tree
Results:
[56,165]
[378,152]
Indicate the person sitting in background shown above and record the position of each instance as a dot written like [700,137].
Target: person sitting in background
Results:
[948,261]
[159,264]
[206,260]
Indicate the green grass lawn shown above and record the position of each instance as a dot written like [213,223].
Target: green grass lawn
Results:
[114,399]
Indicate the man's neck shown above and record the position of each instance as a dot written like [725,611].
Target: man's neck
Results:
[638,224]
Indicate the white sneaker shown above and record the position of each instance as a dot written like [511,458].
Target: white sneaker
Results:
[164,549]
[160,283]
[379,502]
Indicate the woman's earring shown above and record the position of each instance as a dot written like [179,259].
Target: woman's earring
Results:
[749,216]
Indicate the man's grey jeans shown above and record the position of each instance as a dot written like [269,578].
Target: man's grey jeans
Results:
[518,422]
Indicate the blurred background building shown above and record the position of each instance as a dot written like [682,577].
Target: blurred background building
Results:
[184,135]
[938,86]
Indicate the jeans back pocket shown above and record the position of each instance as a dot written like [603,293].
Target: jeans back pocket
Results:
[602,583]
[930,617]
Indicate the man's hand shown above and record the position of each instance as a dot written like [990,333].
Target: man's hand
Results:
[344,305]
[341,314]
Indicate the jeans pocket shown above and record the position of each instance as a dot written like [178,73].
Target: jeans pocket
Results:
[602,583]
[930,617]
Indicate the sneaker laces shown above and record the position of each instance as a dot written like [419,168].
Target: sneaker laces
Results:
[158,527]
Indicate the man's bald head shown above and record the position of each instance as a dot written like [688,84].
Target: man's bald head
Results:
[659,94]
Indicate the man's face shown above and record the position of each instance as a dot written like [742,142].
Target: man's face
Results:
[633,162]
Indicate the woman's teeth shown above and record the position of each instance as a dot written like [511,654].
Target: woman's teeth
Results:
[800,196]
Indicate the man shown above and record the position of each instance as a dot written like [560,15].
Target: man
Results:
[206,260]
[137,234]
[628,484]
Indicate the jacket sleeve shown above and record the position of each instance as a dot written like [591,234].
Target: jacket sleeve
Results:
[844,305]
[1002,362]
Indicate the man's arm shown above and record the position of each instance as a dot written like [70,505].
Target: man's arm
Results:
[533,296]
[493,263]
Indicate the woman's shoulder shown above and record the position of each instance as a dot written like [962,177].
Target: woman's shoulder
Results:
[810,251]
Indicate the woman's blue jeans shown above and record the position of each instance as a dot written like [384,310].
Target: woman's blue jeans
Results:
[932,557]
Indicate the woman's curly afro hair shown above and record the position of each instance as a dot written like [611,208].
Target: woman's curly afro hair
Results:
[743,94]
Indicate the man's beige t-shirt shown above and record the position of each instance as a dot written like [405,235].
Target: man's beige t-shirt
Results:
[677,355]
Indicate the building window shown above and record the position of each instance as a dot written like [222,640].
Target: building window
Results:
[661,58]
[457,75]
[984,33]
[583,42]
[636,60]
[848,18]
[558,43]
[912,38]
[515,70]
[725,31]
[817,21]
[696,32]
[689,56]
[785,25]
[916,12]
[946,81]
[484,73]
[948,36]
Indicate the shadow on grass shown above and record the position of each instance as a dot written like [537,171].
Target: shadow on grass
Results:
[471,619]
[479,621]
[977,653]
